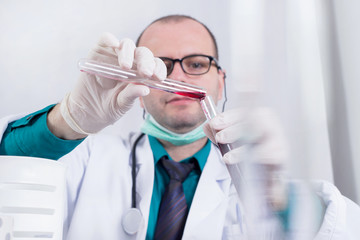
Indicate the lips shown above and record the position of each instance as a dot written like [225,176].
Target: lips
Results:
[179,100]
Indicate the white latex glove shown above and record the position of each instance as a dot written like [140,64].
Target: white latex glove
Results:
[97,102]
[260,132]
[257,130]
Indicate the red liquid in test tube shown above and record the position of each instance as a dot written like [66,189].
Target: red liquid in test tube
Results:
[210,111]
[197,95]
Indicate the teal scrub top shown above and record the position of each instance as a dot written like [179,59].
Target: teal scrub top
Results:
[30,136]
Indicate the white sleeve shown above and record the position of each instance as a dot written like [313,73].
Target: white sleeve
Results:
[342,216]
[352,218]
[4,122]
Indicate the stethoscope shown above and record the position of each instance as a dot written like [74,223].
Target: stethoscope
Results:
[133,220]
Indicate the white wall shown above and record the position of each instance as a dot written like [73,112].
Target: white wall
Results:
[345,97]
[276,52]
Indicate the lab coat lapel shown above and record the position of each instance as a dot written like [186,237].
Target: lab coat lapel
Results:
[207,214]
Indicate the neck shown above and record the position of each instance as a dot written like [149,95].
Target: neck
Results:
[178,153]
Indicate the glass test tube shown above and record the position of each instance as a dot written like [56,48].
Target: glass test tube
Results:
[131,76]
[235,172]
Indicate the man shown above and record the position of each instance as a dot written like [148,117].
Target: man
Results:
[99,168]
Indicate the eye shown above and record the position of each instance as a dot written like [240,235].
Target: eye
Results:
[168,64]
[196,63]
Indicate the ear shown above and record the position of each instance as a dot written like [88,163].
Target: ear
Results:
[222,77]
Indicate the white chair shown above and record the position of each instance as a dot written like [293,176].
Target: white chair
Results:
[6,227]
[32,195]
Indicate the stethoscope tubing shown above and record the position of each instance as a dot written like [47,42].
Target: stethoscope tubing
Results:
[133,170]
[133,220]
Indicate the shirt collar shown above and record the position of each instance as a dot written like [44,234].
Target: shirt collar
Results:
[159,151]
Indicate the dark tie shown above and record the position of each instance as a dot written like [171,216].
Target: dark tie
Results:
[173,208]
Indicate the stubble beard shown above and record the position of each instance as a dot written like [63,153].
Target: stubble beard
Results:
[184,124]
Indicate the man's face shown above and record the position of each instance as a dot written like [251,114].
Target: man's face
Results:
[177,40]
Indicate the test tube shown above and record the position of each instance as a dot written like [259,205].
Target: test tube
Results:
[116,73]
[235,172]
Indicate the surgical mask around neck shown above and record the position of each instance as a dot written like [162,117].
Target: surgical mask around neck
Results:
[153,128]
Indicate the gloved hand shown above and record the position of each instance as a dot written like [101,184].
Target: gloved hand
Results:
[258,131]
[97,102]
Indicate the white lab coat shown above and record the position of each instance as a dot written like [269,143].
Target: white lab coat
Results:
[99,193]
[99,187]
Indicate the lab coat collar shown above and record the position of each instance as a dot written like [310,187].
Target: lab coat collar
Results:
[207,209]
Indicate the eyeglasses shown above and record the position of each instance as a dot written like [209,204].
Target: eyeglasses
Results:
[197,64]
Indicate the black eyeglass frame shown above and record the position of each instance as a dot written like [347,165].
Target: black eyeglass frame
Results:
[173,61]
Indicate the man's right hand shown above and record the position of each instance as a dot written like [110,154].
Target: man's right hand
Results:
[97,102]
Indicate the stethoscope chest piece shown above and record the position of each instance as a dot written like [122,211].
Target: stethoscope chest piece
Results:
[132,221]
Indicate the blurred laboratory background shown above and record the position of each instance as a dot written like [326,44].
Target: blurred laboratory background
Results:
[299,57]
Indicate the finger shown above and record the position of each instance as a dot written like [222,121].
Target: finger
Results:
[108,40]
[259,154]
[236,155]
[242,132]
[129,94]
[227,119]
[106,45]
[160,71]
[145,62]
[272,150]
[125,53]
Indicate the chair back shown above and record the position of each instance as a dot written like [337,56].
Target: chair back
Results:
[32,198]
